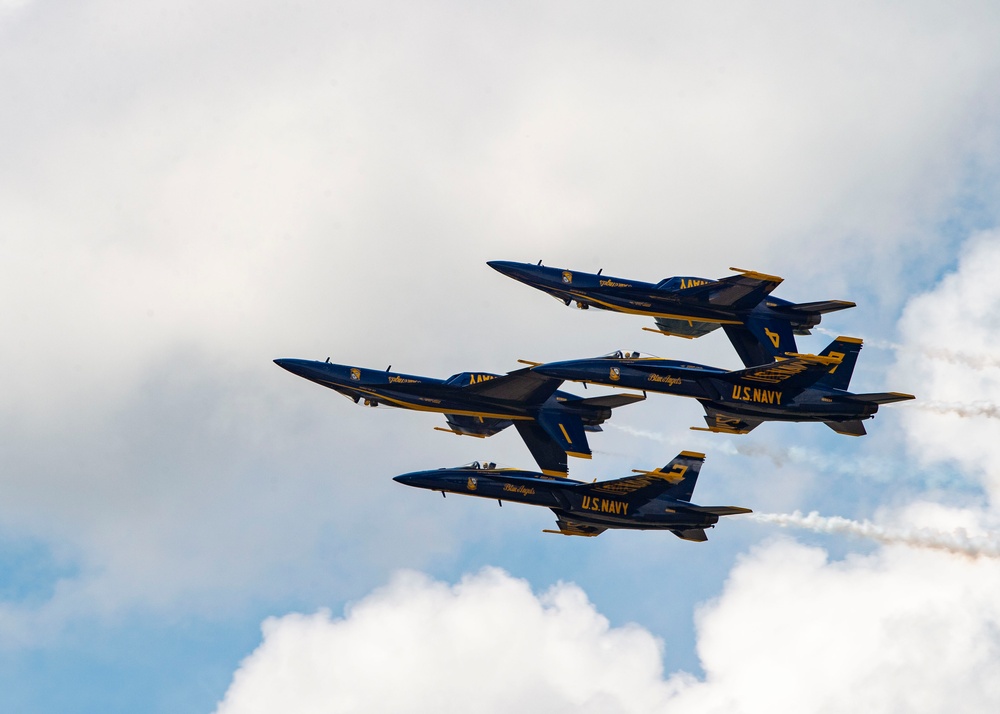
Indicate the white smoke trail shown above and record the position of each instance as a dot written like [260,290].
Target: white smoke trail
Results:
[972,410]
[957,541]
[779,456]
[642,433]
[877,344]
[965,359]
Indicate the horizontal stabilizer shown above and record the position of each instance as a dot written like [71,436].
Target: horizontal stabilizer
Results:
[820,307]
[612,401]
[714,510]
[696,535]
[849,428]
[874,397]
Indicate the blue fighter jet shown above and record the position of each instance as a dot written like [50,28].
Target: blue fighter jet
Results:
[552,423]
[797,388]
[761,328]
[651,500]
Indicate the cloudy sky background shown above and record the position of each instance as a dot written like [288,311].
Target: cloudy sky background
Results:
[190,190]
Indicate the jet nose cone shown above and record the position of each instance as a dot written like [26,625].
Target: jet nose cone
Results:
[292,365]
[518,271]
[300,367]
[418,479]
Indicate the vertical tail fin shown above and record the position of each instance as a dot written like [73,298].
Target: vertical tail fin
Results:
[682,474]
[761,339]
[839,375]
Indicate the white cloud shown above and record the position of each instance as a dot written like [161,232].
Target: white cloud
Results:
[486,644]
[949,355]
[901,629]
[191,190]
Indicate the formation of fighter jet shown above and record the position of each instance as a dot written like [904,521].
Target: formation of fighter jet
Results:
[798,388]
[761,327]
[778,384]
[552,423]
[650,500]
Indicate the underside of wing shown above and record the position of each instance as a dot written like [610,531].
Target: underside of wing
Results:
[725,423]
[480,427]
[570,527]
[688,329]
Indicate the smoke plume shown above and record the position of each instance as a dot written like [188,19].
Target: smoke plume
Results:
[957,541]
[967,411]
[963,359]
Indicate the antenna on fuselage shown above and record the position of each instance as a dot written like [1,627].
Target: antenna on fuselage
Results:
[600,271]
[388,368]
[539,262]
[328,360]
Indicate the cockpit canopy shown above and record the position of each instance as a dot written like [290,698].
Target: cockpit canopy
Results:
[624,354]
[480,465]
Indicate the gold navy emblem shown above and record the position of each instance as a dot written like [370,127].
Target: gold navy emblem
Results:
[616,373]
[567,276]
[355,373]
[471,484]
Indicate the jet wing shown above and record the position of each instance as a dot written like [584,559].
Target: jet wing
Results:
[725,423]
[570,527]
[522,385]
[739,292]
[794,373]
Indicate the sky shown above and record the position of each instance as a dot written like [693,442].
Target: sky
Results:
[191,190]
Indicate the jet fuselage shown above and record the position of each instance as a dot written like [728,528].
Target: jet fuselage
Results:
[576,500]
